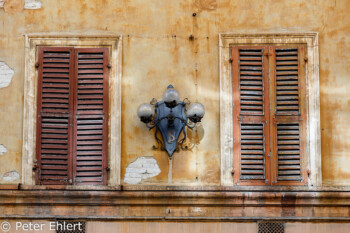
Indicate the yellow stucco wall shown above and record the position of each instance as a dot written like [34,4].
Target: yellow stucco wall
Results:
[153,58]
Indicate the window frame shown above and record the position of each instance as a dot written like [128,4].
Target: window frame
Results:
[313,142]
[33,42]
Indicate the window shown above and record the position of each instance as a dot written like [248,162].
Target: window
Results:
[112,44]
[261,109]
[269,114]
[72,116]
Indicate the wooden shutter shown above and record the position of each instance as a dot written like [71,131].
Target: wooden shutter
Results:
[91,110]
[269,115]
[288,114]
[54,117]
[250,114]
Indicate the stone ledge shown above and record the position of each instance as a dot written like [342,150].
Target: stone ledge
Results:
[179,188]
[175,205]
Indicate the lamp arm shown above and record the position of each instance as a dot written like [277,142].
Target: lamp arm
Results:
[150,125]
[160,143]
[191,124]
[181,142]
[185,121]
[166,117]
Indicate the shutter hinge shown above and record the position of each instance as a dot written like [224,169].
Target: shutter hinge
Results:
[35,166]
[306,59]
[231,60]
[308,172]
[108,167]
[233,172]
[37,65]
[109,66]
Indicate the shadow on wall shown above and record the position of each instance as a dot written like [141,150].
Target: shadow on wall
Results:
[195,136]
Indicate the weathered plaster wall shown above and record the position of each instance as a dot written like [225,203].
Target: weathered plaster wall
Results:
[157,52]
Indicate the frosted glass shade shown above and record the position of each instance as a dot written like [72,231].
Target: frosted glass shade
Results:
[171,98]
[195,112]
[145,112]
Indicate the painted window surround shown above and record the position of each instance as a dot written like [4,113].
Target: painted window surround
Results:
[114,44]
[313,135]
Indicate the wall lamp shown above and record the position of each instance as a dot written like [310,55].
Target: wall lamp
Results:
[171,116]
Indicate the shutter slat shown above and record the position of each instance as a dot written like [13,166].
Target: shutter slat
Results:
[85,153]
[62,70]
[91,71]
[91,76]
[54,161]
[57,80]
[88,158]
[89,165]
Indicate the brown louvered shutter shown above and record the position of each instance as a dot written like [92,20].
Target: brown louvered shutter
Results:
[288,114]
[54,117]
[250,114]
[91,111]
[269,115]
[72,116]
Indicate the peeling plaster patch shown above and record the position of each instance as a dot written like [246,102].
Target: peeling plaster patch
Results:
[32,4]
[3,150]
[28,4]
[142,168]
[6,74]
[10,176]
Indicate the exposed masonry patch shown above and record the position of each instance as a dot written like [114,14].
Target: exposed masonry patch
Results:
[28,4]
[10,176]
[3,150]
[143,168]
[6,74]
[32,4]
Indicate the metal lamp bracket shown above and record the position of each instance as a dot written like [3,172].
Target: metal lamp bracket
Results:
[170,122]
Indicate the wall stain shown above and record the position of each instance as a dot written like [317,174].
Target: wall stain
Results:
[206,5]
[12,6]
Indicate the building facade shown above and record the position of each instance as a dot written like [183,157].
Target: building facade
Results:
[271,151]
